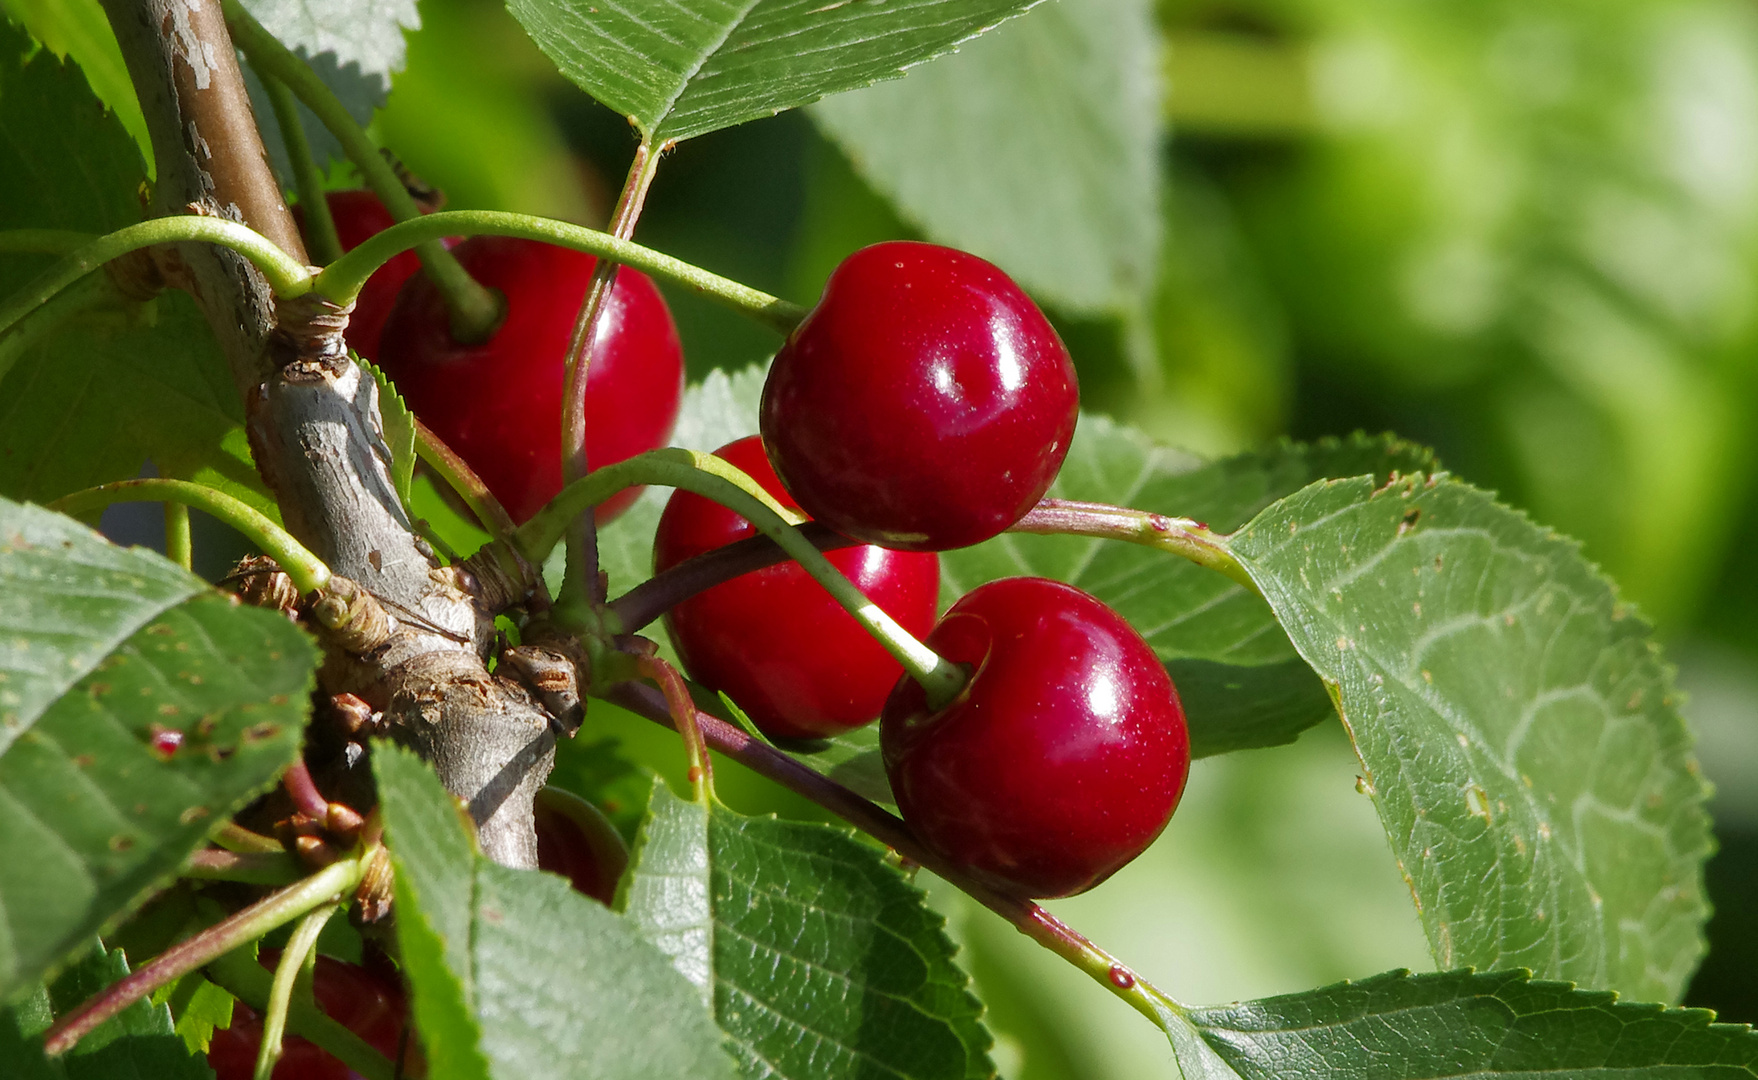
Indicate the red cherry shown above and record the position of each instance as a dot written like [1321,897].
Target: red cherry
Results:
[924,404]
[366,1002]
[360,215]
[1061,760]
[773,639]
[576,840]
[499,403]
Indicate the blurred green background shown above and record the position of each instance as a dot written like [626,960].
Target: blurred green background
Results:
[1522,231]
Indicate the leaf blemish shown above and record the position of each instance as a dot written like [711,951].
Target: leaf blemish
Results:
[1477,804]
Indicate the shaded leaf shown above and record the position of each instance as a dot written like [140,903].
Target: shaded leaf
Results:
[21,1039]
[138,1042]
[682,69]
[1400,1026]
[550,983]
[78,172]
[1517,725]
[121,384]
[1036,146]
[92,819]
[820,960]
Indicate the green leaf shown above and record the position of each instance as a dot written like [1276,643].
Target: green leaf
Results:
[1248,671]
[140,1041]
[820,960]
[65,162]
[682,69]
[1028,149]
[1400,1026]
[1517,726]
[21,1039]
[78,31]
[549,983]
[364,34]
[92,820]
[199,1007]
[117,386]
[68,598]
[398,431]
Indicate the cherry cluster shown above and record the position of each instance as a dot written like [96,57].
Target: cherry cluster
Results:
[924,404]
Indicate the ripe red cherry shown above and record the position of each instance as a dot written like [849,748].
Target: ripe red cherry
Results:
[360,215]
[499,403]
[576,840]
[1061,760]
[773,639]
[366,1002]
[924,404]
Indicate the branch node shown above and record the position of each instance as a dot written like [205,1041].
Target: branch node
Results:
[354,617]
[306,343]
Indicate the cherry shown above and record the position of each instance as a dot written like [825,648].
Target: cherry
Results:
[364,1001]
[576,840]
[773,639]
[360,215]
[499,403]
[924,404]
[1063,757]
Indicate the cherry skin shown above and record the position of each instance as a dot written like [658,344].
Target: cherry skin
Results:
[359,215]
[773,640]
[1061,760]
[364,1001]
[924,404]
[499,403]
[576,840]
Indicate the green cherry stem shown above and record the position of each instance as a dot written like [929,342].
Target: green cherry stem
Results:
[240,975]
[286,277]
[287,973]
[307,572]
[461,478]
[475,310]
[1185,537]
[276,909]
[321,241]
[179,547]
[342,280]
[713,478]
[252,868]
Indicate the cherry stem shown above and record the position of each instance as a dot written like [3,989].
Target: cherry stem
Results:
[1027,917]
[476,311]
[307,572]
[43,241]
[461,478]
[682,711]
[179,548]
[307,799]
[1180,536]
[251,868]
[716,479]
[322,242]
[581,581]
[239,974]
[342,279]
[285,275]
[287,973]
[668,588]
[278,908]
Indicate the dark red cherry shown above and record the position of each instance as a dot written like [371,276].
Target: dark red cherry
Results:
[360,215]
[365,1001]
[499,403]
[924,404]
[1061,760]
[773,640]
[576,840]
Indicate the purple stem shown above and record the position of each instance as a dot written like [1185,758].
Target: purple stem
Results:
[665,590]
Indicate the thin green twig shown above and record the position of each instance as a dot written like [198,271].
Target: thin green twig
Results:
[321,241]
[287,973]
[306,570]
[341,281]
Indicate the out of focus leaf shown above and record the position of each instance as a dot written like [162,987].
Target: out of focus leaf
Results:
[1036,146]
[1518,728]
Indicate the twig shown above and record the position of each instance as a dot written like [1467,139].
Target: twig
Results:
[1185,537]
[663,591]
